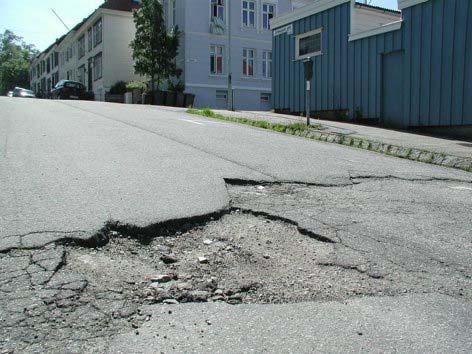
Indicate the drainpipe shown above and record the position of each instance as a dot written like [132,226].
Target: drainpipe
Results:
[230,71]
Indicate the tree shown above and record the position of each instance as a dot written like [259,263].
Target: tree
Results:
[154,49]
[15,59]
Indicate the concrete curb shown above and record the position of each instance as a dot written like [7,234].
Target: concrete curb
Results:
[419,155]
[413,154]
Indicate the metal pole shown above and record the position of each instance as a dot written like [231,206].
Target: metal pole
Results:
[307,102]
[60,19]
[230,71]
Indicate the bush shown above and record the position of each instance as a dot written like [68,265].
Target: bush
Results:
[178,87]
[136,85]
[118,88]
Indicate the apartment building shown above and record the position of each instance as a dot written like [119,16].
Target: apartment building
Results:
[95,52]
[45,69]
[223,38]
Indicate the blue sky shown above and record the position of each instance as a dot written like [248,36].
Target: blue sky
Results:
[35,22]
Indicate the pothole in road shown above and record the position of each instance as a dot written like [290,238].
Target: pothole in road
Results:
[256,252]
[239,258]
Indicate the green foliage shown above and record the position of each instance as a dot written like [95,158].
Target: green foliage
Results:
[281,128]
[119,88]
[15,58]
[154,49]
[178,87]
[136,85]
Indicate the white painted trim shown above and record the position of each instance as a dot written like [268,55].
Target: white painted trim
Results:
[255,15]
[223,74]
[378,30]
[225,87]
[305,11]
[403,4]
[304,35]
[216,37]
[267,2]
[254,62]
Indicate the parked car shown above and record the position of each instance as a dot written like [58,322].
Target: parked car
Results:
[70,90]
[10,94]
[24,93]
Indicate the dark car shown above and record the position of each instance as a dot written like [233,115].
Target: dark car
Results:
[70,90]
[24,93]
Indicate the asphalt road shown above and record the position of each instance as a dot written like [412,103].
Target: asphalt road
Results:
[405,324]
[66,168]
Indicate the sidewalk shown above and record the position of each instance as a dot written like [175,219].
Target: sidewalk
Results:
[439,151]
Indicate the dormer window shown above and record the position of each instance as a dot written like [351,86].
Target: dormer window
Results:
[218,9]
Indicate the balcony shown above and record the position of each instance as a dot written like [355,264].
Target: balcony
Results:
[217,26]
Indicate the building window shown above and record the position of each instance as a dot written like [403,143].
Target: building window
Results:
[267,64]
[265,97]
[222,95]
[90,39]
[81,46]
[69,54]
[173,13]
[268,13]
[81,74]
[97,33]
[97,66]
[218,9]
[48,65]
[248,62]
[216,59]
[249,13]
[308,44]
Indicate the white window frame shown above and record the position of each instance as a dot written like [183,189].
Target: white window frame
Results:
[81,74]
[81,46]
[218,6]
[248,10]
[97,32]
[304,35]
[263,13]
[172,14]
[267,64]
[97,68]
[213,49]
[90,38]
[247,59]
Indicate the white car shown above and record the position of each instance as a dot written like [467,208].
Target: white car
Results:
[24,93]
[10,94]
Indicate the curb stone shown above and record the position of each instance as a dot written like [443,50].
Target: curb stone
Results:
[424,156]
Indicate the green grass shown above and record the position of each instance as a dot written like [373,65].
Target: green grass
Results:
[299,129]
[281,128]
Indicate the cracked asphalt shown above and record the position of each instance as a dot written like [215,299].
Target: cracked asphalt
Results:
[310,240]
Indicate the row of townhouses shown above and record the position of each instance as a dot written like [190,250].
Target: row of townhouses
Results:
[220,38]
[95,52]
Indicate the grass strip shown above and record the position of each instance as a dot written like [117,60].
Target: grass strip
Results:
[281,128]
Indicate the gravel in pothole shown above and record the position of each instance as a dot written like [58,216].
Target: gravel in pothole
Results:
[239,258]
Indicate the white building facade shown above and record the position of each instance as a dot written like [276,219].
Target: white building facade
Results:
[96,52]
[223,38]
